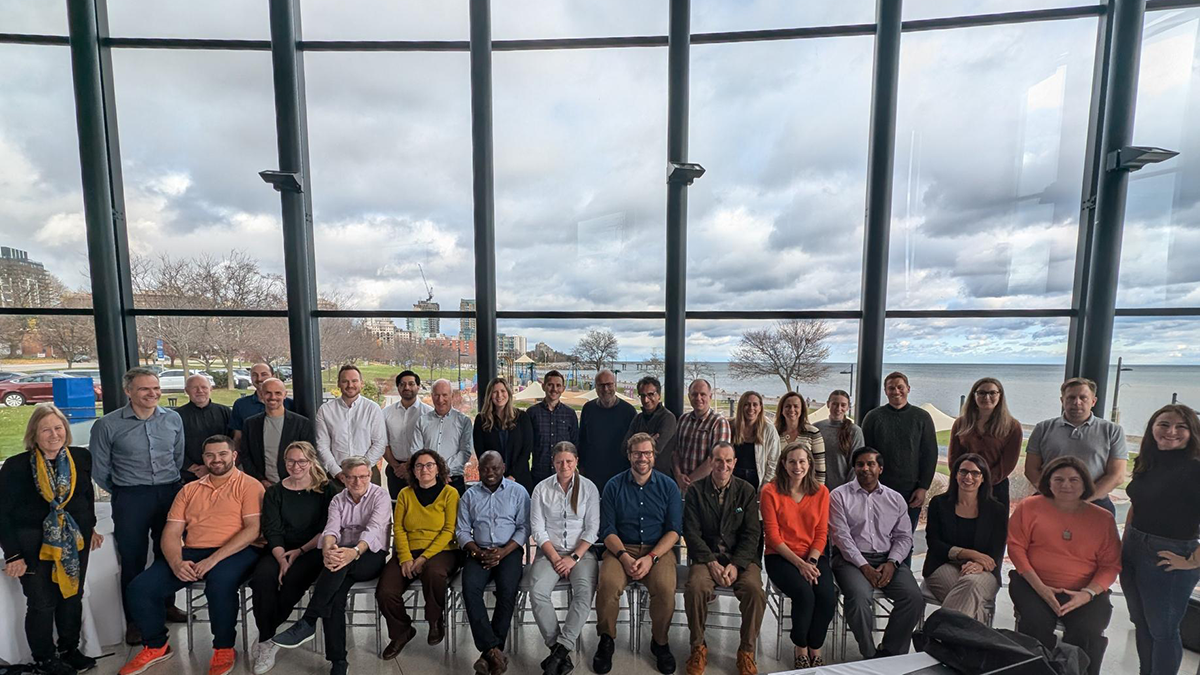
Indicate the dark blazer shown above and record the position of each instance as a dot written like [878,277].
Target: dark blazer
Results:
[516,452]
[991,533]
[252,456]
[24,509]
[707,523]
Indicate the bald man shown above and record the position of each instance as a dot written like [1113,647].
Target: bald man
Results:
[253,403]
[201,418]
[447,432]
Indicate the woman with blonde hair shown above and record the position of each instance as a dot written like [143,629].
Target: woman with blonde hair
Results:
[501,427]
[294,512]
[986,428]
[755,441]
[792,425]
[47,529]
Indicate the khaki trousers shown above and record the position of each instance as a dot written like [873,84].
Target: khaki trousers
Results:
[967,593]
[660,582]
[752,600]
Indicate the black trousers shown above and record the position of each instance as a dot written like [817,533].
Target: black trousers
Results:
[46,609]
[492,632]
[458,483]
[273,602]
[1000,493]
[1082,627]
[328,601]
[395,483]
[139,514]
[813,605]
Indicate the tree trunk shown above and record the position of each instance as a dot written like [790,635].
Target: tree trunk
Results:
[229,372]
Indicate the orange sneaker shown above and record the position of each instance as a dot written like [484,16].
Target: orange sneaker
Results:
[746,664]
[146,658]
[698,660]
[223,661]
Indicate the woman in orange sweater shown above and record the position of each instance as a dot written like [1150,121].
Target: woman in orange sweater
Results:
[1066,553]
[795,512]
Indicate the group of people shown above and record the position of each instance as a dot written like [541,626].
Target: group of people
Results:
[260,494]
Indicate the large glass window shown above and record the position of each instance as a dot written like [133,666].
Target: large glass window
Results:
[195,130]
[719,16]
[385,20]
[391,185]
[580,140]
[531,19]
[33,17]
[990,140]
[1162,217]
[1162,355]
[932,9]
[234,19]
[777,220]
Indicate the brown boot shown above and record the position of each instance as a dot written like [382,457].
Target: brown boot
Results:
[698,661]
[746,664]
[497,661]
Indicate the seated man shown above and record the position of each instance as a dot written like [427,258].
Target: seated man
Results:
[641,514]
[220,515]
[492,528]
[870,527]
[354,545]
[722,530]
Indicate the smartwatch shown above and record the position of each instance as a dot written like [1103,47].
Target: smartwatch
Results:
[653,559]
[574,556]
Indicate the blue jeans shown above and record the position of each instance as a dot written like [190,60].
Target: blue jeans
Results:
[493,632]
[150,591]
[1157,599]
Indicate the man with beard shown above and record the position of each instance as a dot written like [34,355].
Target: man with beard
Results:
[350,425]
[269,433]
[602,427]
[553,422]
[253,403]
[399,420]
[210,528]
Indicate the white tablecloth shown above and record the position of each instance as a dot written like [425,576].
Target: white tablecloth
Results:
[103,616]
[894,665]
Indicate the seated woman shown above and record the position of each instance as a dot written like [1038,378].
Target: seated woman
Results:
[47,528]
[842,437]
[792,427]
[965,532]
[795,513]
[294,513]
[425,550]
[755,441]
[509,431]
[1066,554]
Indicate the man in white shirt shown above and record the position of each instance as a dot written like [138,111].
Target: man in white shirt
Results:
[349,426]
[447,432]
[400,419]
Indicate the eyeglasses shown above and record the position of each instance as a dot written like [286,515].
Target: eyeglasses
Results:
[425,466]
[969,473]
[641,453]
[991,393]
[297,462]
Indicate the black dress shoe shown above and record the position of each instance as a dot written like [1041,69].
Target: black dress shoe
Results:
[664,659]
[133,636]
[77,660]
[176,615]
[437,631]
[602,662]
[339,668]
[393,649]
[52,666]
[552,663]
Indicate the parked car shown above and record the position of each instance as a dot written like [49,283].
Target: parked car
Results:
[5,375]
[241,378]
[173,380]
[284,371]
[37,388]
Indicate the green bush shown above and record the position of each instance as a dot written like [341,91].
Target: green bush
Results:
[220,378]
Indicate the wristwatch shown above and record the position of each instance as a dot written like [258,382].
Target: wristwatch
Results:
[653,559]
[574,556]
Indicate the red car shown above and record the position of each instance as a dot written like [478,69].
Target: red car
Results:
[31,389]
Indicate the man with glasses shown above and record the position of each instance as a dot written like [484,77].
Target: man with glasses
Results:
[269,433]
[1097,442]
[602,427]
[447,432]
[698,431]
[655,420]
[906,440]
[553,422]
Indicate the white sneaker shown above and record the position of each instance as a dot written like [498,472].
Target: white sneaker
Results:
[265,659]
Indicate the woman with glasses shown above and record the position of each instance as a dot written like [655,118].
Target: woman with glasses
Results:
[986,428]
[502,427]
[425,551]
[294,513]
[965,532]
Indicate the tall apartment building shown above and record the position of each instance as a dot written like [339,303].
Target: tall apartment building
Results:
[466,327]
[425,327]
[23,282]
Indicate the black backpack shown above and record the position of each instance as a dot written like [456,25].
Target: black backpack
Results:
[968,646]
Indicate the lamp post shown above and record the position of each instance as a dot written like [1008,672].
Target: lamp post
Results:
[851,374]
[1115,416]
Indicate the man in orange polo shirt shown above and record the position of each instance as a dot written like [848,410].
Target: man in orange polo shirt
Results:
[208,537]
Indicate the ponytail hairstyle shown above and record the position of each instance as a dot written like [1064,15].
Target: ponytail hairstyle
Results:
[568,446]
[845,435]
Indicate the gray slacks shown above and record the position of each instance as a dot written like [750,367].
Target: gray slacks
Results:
[541,579]
[907,605]
[971,594]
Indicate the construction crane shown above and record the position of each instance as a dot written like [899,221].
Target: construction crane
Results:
[428,288]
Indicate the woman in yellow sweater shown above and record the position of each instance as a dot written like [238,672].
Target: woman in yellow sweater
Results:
[425,550]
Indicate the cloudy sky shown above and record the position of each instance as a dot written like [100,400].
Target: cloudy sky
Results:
[989,150]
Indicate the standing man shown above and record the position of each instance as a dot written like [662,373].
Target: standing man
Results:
[269,433]
[641,516]
[553,422]
[1097,442]
[399,421]
[201,418]
[350,425]
[492,528]
[906,441]
[602,427]
[252,404]
[657,421]
[722,530]
[447,432]
[870,529]
[137,456]
[698,431]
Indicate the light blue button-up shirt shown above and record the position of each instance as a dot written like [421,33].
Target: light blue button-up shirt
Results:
[492,519]
[128,451]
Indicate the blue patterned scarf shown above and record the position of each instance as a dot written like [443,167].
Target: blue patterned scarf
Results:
[61,539]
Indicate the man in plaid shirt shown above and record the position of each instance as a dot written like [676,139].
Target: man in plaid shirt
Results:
[553,421]
[697,432]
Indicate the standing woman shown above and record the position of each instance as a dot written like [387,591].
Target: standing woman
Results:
[755,441]
[842,437]
[500,426]
[792,425]
[47,528]
[1160,562]
[986,428]
[294,513]
[795,513]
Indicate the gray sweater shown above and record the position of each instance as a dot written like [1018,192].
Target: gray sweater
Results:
[837,465]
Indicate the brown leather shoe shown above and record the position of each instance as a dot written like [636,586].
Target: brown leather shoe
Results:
[392,650]
[698,661]
[746,664]
[133,636]
[481,666]
[437,632]
[497,661]
[176,615]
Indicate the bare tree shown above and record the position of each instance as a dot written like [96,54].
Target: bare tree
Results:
[435,354]
[405,352]
[793,351]
[597,349]
[71,337]
[698,370]
[655,365]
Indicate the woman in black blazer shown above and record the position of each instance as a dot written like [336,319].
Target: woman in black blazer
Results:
[47,528]
[966,533]
[508,431]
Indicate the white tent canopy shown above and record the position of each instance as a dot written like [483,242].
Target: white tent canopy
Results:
[941,421]
[533,392]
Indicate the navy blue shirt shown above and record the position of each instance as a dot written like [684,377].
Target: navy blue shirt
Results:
[248,406]
[640,514]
